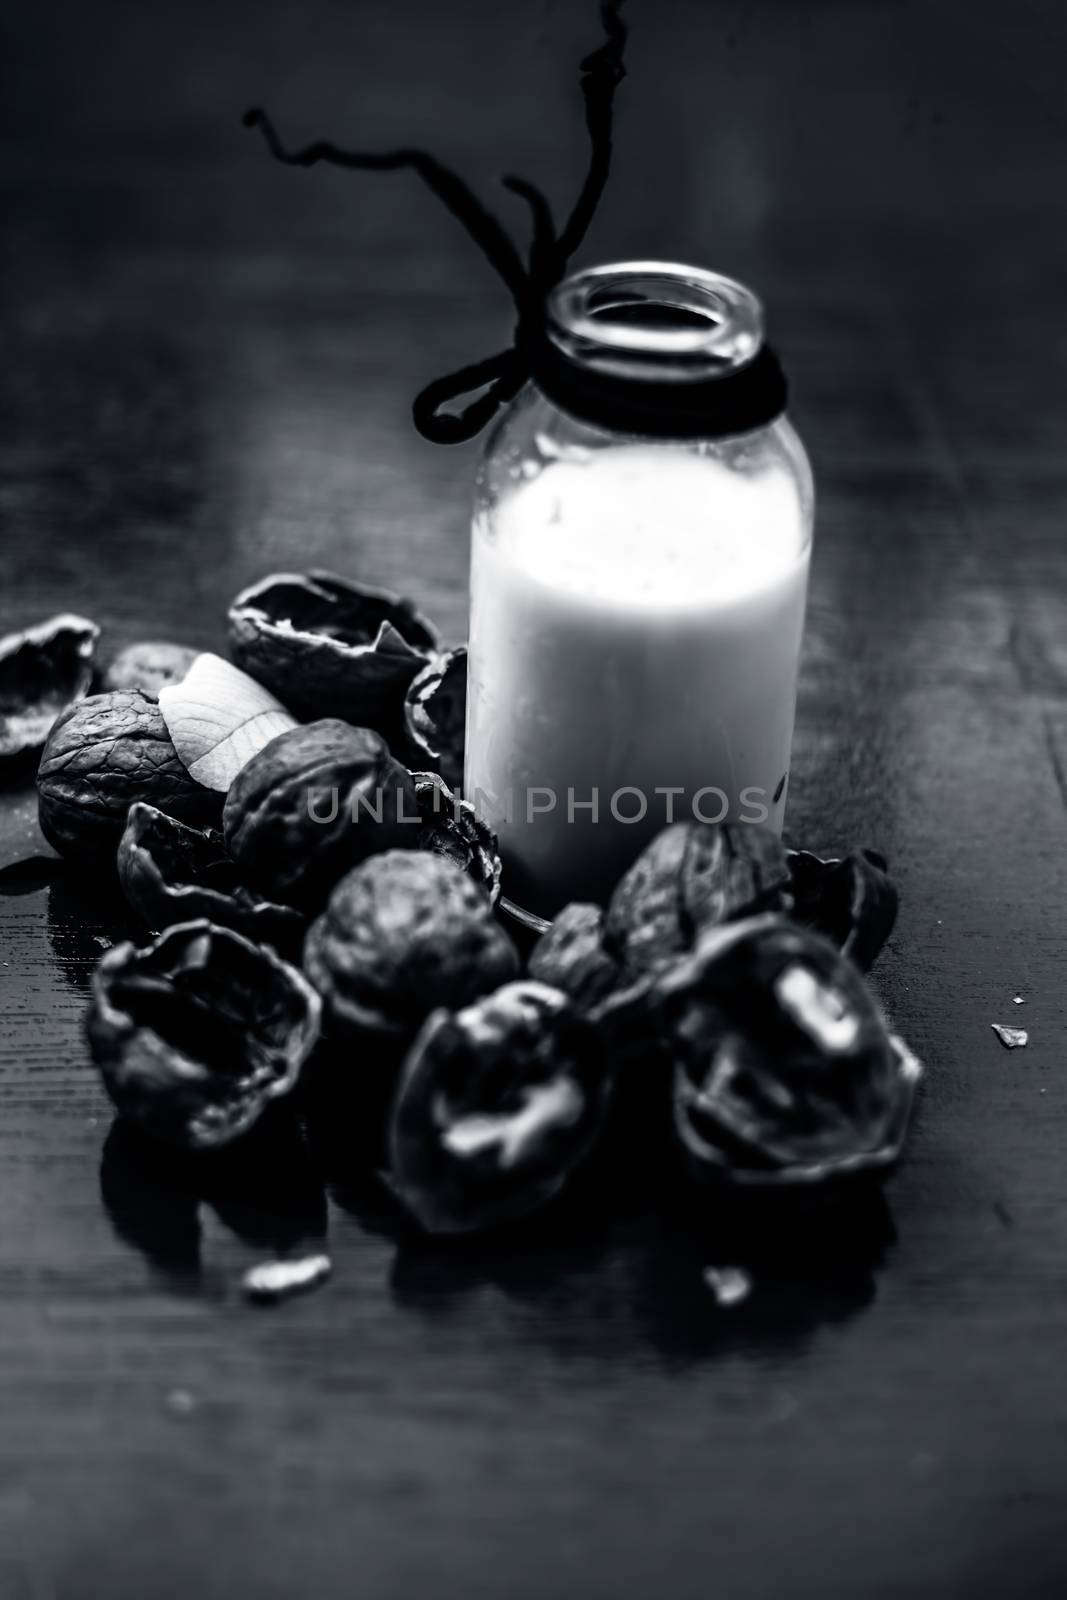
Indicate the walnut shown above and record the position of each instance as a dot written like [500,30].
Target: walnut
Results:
[451,827]
[497,1105]
[172,873]
[329,647]
[311,804]
[852,900]
[571,955]
[404,933]
[102,755]
[435,717]
[784,1068]
[196,1034]
[693,876]
[42,672]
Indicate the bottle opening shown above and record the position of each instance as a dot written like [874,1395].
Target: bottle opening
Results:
[650,315]
[655,320]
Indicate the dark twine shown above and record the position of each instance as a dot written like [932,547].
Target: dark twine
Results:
[729,402]
[500,376]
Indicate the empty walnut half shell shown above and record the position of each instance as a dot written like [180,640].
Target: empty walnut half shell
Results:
[453,829]
[172,873]
[42,672]
[785,1071]
[196,1034]
[497,1105]
[693,876]
[435,716]
[328,647]
[852,901]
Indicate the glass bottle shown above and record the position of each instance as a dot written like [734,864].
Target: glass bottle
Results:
[639,571]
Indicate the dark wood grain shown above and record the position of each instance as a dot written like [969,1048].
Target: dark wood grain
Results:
[207,367]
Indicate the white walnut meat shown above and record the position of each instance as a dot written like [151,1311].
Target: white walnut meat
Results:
[170,873]
[784,1067]
[198,1033]
[693,876]
[102,755]
[402,934]
[435,716]
[329,647]
[312,804]
[451,827]
[498,1104]
[43,670]
[149,665]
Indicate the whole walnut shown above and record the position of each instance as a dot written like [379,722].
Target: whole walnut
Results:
[402,934]
[312,804]
[693,876]
[103,754]
[571,955]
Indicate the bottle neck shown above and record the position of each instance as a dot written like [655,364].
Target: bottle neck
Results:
[656,349]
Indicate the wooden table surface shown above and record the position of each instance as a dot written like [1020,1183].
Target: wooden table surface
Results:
[206,372]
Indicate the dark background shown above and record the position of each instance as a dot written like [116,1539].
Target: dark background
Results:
[206,363]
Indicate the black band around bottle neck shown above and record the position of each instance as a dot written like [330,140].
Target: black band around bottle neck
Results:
[738,400]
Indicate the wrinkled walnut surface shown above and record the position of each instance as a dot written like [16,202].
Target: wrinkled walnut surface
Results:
[571,956]
[105,753]
[403,933]
[693,876]
[312,804]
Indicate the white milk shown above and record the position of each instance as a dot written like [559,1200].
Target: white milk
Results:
[636,620]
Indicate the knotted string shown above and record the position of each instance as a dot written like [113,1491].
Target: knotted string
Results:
[500,376]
